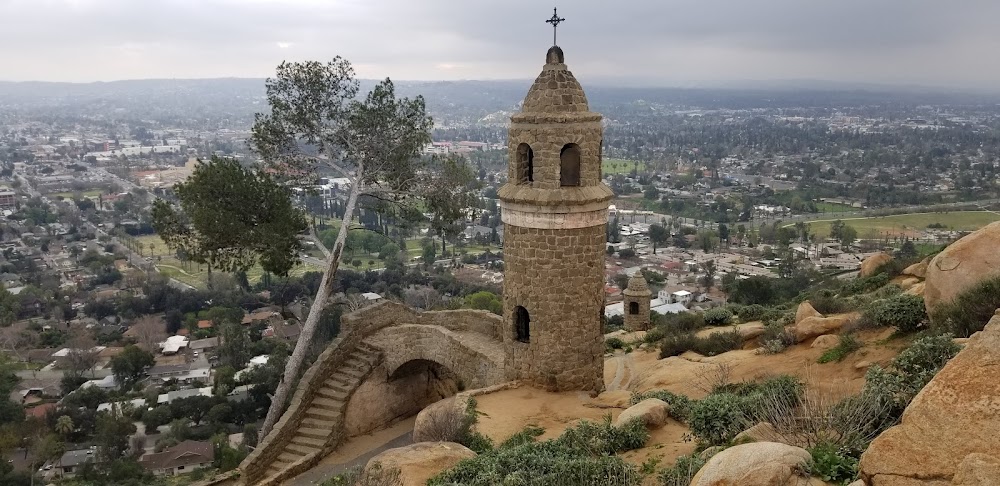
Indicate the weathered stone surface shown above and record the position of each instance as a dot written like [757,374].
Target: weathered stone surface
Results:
[908,283]
[873,262]
[918,270]
[439,421]
[421,461]
[978,470]
[962,265]
[805,311]
[862,365]
[825,341]
[653,411]
[917,289]
[761,432]
[811,327]
[758,463]
[955,415]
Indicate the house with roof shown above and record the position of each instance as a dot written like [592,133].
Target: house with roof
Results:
[203,344]
[205,324]
[167,398]
[262,316]
[283,330]
[182,458]
[70,463]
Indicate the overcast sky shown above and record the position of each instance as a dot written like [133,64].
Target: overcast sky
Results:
[653,42]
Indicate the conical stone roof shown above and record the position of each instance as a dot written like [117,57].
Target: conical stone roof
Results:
[555,90]
[637,286]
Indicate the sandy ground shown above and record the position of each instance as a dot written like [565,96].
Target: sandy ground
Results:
[507,412]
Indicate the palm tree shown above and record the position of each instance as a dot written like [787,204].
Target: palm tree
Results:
[64,425]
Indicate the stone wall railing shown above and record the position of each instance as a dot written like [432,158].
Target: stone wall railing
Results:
[355,327]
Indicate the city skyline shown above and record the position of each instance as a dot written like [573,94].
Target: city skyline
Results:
[638,42]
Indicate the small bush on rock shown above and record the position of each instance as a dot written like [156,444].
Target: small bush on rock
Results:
[832,464]
[827,304]
[910,371]
[866,284]
[718,343]
[677,344]
[682,472]
[776,338]
[717,418]
[906,312]
[679,405]
[581,455]
[614,343]
[847,345]
[719,316]
[970,311]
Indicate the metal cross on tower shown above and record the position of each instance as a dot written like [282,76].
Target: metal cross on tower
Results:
[555,20]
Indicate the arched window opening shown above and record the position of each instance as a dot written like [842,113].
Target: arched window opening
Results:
[569,165]
[633,308]
[525,164]
[522,324]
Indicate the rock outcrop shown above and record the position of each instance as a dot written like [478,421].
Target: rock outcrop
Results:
[652,411]
[419,462]
[918,270]
[811,327]
[805,311]
[825,341]
[873,263]
[758,463]
[962,265]
[439,421]
[949,431]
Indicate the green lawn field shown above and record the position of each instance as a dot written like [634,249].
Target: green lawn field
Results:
[620,166]
[910,224]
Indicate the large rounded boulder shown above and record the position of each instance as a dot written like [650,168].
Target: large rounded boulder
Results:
[962,265]
[757,463]
[949,430]
[873,263]
[415,463]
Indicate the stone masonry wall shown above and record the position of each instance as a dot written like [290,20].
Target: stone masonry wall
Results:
[355,327]
[558,276]
[640,321]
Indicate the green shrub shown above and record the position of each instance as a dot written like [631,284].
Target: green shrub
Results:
[682,322]
[970,311]
[776,338]
[374,476]
[718,343]
[717,418]
[581,455]
[719,316]
[654,335]
[866,284]
[890,290]
[833,464]
[677,344]
[753,312]
[906,312]
[827,304]
[682,472]
[910,371]
[613,343]
[679,405]
[847,345]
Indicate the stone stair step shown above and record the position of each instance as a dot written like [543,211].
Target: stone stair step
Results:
[327,403]
[300,449]
[322,422]
[314,433]
[308,441]
[271,472]
[286,458]
[342,384]
[327,392]
[353,373]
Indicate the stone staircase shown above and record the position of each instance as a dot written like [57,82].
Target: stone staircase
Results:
[321,425]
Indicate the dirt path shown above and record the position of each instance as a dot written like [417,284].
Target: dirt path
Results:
[623,373]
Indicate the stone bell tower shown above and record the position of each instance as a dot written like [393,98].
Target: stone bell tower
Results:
[637,300]
[555,211]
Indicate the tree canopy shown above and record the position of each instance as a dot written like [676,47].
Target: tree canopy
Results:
[232,217]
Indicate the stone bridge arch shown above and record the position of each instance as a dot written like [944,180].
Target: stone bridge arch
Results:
[354,386]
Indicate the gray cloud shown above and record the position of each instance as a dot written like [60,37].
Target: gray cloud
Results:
[653,41]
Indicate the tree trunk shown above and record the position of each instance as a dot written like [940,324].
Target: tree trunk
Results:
[293,368]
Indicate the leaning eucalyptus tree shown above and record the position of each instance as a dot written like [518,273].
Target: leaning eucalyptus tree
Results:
[319,124]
